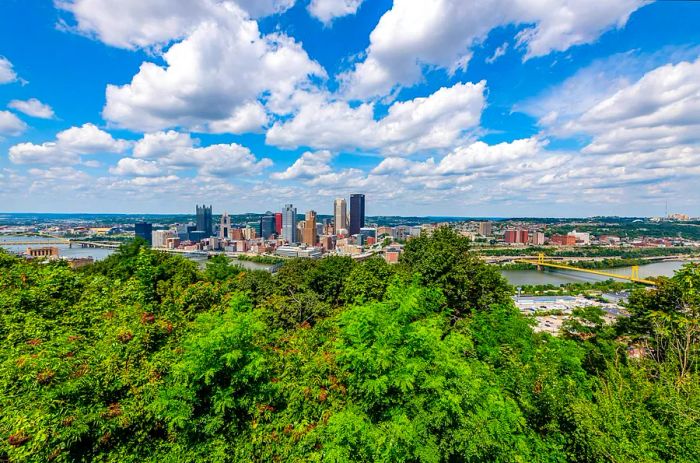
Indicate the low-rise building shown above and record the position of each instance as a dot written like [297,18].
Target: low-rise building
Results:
[307,252]
[46,251]
[563,240]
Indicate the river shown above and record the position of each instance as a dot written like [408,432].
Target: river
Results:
[558,277]
[101,253]
[63,249]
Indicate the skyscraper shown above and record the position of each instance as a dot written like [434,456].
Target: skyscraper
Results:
[309,230]
[144,230]
[204,220]
[357,213]
[340,215]
[278,223]
[225,227]
[267,225]
[289,223]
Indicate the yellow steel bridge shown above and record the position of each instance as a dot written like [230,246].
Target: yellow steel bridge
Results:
[634,276]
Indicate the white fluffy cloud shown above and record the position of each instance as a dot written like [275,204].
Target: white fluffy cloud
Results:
[11,124]
[68,146]
[89,139]
[654,108]
[161,144]
[441,33]
[436,121]
[467,159]
[171,150]
[46,153]
[154,23]
[309,165]
[662,109]
[136,167]
[222,161]
[7,73]
[213,79]
[327,10]
[32,107]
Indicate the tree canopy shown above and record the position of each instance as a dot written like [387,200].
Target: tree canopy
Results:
[145,357]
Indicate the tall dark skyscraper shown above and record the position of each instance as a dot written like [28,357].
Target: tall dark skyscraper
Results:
[357,213]
[267,225]
[204,220]
[144,230]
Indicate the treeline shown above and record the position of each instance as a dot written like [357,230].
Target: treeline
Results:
[607,263]
[584,287]
[143,357]
[268,260]
[633,230]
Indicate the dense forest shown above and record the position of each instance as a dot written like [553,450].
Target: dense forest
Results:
[144,357]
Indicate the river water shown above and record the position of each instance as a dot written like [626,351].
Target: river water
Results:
[558,277]
[102,253]
[63,249]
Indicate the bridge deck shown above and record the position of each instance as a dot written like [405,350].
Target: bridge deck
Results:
[586,270]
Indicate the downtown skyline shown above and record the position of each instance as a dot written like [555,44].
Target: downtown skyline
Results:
[261,104]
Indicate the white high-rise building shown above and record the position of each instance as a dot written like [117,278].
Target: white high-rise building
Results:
[159,238]
[340,215]
[289,224]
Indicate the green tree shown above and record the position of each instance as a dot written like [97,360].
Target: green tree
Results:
[444,259]
[219,268]
[327,279]
[368,281]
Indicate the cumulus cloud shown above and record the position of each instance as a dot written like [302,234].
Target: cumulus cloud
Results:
[221,160]
[68,146]
[10,124]
[467,159]
[618,112]
[567,101]
[309,165]
[441,33]
[523,172]
[46,153]
[89,139]
[327,10]
[436,121]
[32,107]
[136,167]
[173,150]
[7,73]
[212,80]
[153,23]
[159,144]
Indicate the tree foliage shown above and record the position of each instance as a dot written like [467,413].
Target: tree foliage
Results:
[144,357]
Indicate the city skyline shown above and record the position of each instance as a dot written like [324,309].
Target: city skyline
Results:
[524,114]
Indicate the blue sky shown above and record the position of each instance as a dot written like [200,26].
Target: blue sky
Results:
[432,107]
